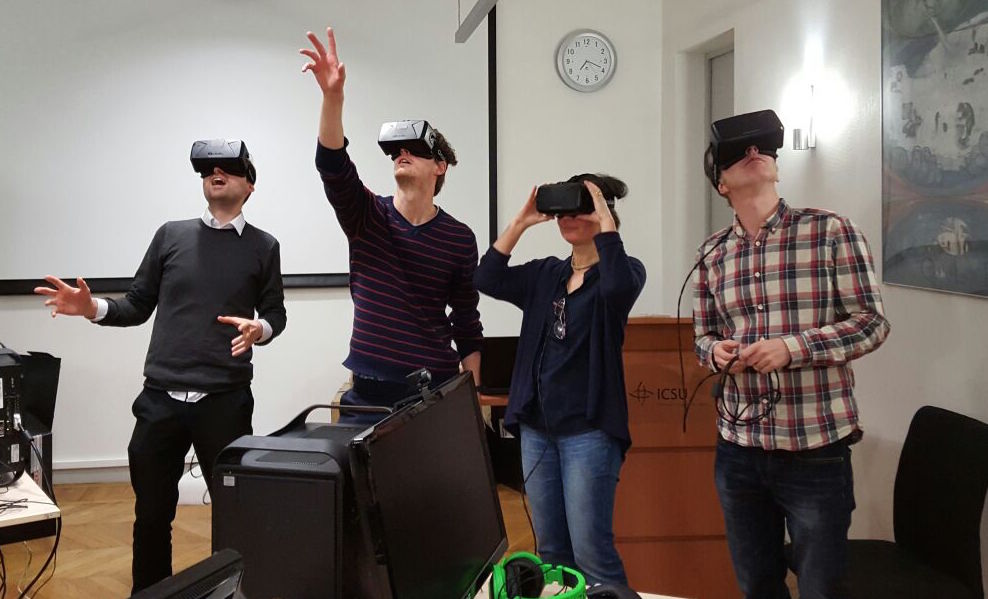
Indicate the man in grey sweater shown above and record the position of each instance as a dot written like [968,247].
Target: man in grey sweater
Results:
[207,277]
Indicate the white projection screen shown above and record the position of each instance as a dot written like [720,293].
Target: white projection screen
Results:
[101,100]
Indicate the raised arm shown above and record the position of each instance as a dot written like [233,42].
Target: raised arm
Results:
[354,204]
[330,74]
[493,276]
[621,277]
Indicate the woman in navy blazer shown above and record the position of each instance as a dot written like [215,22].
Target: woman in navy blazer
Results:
[567,399]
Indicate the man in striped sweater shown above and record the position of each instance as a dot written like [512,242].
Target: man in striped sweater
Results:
[409,259]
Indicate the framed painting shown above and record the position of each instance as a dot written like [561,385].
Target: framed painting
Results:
[935,144]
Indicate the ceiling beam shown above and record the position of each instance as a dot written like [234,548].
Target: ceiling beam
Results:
[474,18]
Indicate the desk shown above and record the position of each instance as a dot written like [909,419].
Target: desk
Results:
[492,400]
[31,522]
[668,526]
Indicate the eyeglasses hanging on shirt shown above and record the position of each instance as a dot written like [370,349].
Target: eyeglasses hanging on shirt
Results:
[559,327]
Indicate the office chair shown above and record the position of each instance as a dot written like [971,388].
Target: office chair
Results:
[938,500]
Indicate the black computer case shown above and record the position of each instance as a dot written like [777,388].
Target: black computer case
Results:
[285,503]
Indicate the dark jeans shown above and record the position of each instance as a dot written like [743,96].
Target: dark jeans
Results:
[572,490]
[810,493]
[372,392]
[164,431]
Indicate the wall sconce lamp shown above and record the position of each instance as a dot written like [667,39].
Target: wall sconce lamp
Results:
[804,140]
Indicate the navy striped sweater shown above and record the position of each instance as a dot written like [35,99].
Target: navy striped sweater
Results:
[402,278]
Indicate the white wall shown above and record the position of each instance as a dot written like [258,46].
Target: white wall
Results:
[548,132]
[102,121]
[101,368]
[935,352]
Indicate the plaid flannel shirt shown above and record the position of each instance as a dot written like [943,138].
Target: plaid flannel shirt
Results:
[807,278]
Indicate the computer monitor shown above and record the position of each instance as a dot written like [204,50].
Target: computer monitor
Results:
[427,494]
[497,365]
[216,577]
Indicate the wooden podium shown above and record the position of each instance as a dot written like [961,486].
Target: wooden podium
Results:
[668,524]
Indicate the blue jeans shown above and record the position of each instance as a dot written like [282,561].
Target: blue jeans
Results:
[571,490]
[762,493]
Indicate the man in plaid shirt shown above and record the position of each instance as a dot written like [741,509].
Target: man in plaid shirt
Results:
[785,298]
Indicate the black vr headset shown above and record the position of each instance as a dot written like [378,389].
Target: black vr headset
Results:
[415,136]
[731,138]
[570,197]
[564,199]
[230,156]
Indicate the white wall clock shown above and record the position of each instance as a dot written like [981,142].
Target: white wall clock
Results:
[585,60]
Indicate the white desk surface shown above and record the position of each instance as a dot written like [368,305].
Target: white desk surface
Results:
[38,506]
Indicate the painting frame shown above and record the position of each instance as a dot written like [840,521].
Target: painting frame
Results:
[935,145]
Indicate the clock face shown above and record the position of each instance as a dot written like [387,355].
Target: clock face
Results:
[585,60]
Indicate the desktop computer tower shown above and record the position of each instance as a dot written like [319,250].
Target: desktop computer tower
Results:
[11,381]
[285,504]
[37,465]
[28,387]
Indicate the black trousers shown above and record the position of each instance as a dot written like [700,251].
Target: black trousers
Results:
[163,433]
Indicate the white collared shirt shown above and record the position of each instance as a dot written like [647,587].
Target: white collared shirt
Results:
[237,224]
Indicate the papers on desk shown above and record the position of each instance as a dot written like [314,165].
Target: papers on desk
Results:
[24,502]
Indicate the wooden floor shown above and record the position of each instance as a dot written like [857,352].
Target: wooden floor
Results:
[93,558]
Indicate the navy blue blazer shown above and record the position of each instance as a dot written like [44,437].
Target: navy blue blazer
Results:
[531,286]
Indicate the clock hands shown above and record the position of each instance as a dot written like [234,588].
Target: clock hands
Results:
[593,64]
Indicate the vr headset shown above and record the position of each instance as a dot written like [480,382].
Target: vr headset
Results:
[230,156]
[564,199]
[418,137]
[568,198]
[730,138]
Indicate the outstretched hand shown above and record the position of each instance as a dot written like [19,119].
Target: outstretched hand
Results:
[68,300]
[325,64]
